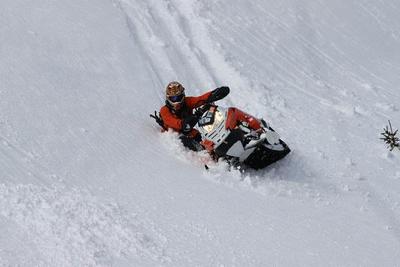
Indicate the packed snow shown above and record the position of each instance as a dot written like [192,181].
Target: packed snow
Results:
[88,179]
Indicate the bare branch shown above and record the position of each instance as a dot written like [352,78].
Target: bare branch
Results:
[390,138]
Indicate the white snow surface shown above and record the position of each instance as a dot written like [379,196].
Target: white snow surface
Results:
[88,179]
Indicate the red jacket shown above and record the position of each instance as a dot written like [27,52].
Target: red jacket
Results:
[174,121]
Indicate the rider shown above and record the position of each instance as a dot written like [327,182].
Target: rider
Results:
[177,113]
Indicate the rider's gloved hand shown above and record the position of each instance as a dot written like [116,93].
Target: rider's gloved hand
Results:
[218,94]
[158,119]
[188,123]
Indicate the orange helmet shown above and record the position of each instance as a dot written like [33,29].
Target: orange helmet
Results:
[175,95]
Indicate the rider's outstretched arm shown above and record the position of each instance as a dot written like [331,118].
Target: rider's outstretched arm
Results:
[209,97]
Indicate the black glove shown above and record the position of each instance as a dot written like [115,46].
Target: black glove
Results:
[158,119]
[218,94]
[188,123]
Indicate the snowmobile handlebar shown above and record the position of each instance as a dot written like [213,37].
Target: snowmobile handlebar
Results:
[202,109]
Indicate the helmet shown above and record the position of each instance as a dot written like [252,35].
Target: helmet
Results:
[175,95]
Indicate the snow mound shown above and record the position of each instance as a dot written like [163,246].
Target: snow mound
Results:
[72,227]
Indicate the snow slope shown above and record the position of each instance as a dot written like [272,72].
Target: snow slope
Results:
[87,179]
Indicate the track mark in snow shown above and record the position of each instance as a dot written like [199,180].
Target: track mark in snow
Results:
[175,38]
[80,229]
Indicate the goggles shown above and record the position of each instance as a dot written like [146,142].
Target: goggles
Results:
[176,98]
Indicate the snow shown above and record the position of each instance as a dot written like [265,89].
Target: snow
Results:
[87,179]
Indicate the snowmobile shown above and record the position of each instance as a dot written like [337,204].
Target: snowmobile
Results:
[239,138]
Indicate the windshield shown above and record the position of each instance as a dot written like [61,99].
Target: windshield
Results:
[211,120]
